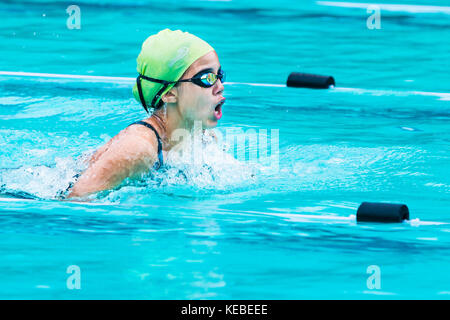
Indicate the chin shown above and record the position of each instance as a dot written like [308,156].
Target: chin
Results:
[210,124]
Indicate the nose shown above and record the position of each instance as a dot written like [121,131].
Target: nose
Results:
[218,87]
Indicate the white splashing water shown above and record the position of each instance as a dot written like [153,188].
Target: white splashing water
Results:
[208,168]
[40,181]
[203,164]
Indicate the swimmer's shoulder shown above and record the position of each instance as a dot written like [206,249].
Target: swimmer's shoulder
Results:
[134,145]
[140,140]
[135,138]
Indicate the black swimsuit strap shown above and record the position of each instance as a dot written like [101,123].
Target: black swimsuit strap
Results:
[160,154]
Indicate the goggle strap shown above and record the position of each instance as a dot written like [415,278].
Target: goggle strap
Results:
[158,95]
[157,80]
[141,95]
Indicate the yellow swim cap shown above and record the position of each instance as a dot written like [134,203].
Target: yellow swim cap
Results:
[165,56]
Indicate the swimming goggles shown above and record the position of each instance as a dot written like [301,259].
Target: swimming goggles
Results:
[205,79]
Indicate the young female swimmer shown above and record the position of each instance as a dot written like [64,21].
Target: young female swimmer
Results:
[180,77]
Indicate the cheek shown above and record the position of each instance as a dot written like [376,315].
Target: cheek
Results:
[203,103]
[195,103]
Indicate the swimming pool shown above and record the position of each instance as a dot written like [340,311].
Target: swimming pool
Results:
[235,229]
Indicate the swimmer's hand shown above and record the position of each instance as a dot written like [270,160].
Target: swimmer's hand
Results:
[130,153]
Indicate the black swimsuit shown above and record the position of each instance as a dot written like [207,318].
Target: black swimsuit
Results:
[160,154]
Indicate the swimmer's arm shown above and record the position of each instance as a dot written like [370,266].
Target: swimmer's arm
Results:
[125,157]
[97,154]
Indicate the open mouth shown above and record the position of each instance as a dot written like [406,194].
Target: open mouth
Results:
[218,109]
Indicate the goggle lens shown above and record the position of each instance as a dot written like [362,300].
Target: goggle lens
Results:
[209,79]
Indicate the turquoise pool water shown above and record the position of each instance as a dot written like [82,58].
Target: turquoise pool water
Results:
[240,229]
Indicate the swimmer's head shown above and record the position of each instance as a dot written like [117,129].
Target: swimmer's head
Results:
[182,71]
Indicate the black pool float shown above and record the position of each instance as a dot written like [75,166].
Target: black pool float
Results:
[306,80]
[382,212]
